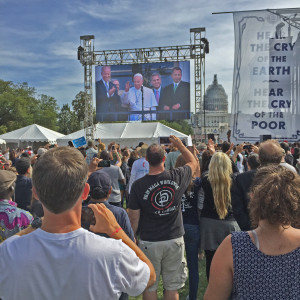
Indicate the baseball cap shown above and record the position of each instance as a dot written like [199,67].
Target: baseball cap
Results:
[100,179]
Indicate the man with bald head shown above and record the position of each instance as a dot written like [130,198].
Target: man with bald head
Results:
[269,152]
[107,99]
[140,99]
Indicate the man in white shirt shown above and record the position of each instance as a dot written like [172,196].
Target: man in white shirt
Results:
[140,167]
[140,99]
[61,260]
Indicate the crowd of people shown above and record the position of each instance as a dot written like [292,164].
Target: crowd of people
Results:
[105,222]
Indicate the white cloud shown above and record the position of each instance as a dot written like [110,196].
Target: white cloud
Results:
[106,11]
[45,50]
[65,50]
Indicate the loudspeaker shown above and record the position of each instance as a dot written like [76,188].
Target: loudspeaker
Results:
[211,136]
[265,137]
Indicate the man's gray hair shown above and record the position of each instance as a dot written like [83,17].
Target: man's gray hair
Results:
[156,74]
[105,67]
[138,75]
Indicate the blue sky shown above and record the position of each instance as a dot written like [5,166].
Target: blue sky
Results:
[39,38]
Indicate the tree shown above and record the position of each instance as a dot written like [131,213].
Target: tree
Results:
[17,104]
[78,105]
[20,107]
[67,120]
[47,112]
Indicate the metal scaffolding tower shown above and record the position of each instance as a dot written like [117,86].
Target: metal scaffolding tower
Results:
[196,50]
[201,45]
[86,57]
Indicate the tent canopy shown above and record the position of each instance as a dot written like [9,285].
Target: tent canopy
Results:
[126,134]
[31,133]
[2,142]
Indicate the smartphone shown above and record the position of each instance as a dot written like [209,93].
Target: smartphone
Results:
[87,216]
[113,147]
[247,147]
[164,140]
[104,163]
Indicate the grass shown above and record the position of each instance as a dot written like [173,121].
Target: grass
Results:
[183,293]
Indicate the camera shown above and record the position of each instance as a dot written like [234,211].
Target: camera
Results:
[104,163]
[113,147]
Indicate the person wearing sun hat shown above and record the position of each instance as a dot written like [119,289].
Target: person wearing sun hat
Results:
[140,167]
[12,218]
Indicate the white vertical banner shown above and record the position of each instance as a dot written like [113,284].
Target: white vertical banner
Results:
[266,77]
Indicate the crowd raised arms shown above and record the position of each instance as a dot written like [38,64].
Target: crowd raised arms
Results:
[128,207]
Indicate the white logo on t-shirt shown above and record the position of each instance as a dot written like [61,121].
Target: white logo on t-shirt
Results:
[163,197]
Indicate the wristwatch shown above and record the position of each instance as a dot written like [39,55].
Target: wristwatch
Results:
[36,223]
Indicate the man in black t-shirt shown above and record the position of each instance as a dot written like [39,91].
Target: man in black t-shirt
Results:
[154,207]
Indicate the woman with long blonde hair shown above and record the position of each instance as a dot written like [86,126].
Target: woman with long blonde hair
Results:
[216,220]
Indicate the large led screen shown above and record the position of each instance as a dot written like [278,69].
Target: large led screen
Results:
[143,92]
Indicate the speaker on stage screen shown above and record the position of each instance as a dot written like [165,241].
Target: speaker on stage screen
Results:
[143,92]
[265,137]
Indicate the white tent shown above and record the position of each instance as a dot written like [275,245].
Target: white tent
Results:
[2,142]
[126,134]
[31,134]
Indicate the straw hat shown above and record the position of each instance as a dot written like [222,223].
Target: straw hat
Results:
[142,150]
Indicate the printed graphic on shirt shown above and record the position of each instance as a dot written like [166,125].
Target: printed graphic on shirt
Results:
[162,195]
[185,203]
[162,198]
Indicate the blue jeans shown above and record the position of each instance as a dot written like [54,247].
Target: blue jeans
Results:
[192,243]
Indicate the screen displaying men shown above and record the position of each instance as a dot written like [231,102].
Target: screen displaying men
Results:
[143,92]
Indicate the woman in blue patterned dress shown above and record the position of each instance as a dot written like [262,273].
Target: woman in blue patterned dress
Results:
[263,263]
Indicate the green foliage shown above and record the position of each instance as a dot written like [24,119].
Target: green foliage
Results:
[78,105]
[18,105]
[47,112]
[182,126]
[67,120]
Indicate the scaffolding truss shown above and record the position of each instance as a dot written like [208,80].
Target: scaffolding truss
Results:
[289,15]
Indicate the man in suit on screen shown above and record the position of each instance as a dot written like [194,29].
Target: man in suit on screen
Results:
[176,97]
[158,93]
[107,98]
